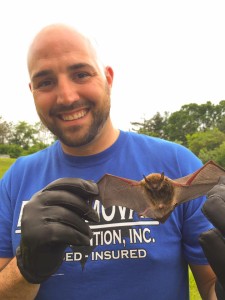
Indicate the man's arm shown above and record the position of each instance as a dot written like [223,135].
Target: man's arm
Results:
[205,281]
[12,283]
[4,262]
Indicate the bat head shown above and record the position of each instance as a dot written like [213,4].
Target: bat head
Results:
[154,182]
[160,188]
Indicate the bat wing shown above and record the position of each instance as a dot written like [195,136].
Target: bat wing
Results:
[198,183]
[114,190]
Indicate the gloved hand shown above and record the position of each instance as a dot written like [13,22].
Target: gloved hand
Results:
[213,241]
[53,219]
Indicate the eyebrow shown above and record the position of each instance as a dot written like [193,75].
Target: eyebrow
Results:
[70,68]
[79,66]
[41,74]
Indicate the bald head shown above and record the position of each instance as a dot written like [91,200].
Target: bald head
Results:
[49,41]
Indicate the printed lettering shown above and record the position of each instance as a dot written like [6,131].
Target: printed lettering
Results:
[141,235]
[21,212]
[119,254]
[108,237]
[73,256]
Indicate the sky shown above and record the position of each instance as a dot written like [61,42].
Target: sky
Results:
[164,53]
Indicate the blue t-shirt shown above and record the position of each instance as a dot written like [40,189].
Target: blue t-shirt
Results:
[130,257]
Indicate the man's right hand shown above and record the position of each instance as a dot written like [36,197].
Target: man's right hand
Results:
[52,220]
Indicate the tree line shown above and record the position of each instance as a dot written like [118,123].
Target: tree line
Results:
[23,138]
[199,127]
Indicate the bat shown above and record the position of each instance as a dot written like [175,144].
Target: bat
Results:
[156,195]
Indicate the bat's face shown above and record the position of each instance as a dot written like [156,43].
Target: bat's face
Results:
[160,188]
[160,191]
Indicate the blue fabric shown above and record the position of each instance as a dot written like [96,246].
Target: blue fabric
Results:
[130,257]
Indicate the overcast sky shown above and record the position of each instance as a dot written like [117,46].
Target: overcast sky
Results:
[165,53]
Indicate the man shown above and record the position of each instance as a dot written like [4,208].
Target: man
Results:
[114,254]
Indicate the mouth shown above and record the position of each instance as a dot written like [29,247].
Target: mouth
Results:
[73,116]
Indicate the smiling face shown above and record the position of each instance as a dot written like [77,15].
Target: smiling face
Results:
[71,89]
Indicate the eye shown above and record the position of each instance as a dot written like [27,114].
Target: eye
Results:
[81,76]
[43,84]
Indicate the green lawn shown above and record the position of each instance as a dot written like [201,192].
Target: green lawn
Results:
[5,163]
[194,294]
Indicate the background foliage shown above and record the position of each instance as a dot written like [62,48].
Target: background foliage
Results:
[22,138]
[201,128]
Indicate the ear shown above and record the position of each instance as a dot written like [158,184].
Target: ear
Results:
[109,75]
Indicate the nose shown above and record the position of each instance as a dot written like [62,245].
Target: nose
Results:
[67,91]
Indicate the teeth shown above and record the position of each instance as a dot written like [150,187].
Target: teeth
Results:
[74,116]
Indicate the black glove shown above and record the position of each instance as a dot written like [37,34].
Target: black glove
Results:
[52,220]
[213,241]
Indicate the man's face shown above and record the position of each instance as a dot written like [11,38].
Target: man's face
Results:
[71,90]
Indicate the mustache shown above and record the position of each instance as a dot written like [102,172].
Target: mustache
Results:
[61,108]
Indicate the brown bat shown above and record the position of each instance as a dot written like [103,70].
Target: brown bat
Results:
[156,195]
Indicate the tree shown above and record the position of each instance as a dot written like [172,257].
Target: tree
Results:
[205,140]
[24,135]
[191,118]
[194,118]
[43,135]
[217,154]
[154,126]
[23,138]
[5,131]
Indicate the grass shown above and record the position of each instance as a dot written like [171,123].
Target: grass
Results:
[194,294]
[5,163]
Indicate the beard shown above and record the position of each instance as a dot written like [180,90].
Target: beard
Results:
[77,136]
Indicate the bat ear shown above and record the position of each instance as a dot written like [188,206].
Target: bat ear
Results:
[221,180]
[162,177]
[145,178]
[147,181]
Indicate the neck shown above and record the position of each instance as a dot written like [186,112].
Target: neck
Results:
[106,137]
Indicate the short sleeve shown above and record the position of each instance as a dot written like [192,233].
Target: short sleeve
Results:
[6,219]
[194,224]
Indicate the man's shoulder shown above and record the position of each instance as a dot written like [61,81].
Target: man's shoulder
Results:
[150,140]
[160,150]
